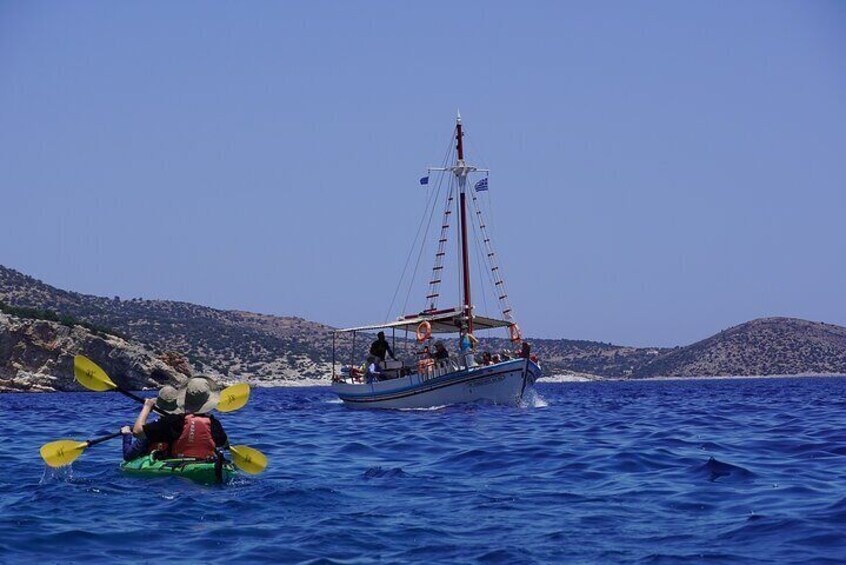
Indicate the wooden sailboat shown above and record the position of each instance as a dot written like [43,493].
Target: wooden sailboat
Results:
[437,380]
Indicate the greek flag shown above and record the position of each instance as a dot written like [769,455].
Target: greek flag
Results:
[481,185]
[424,180]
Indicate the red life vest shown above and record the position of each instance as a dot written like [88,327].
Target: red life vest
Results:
[196,438]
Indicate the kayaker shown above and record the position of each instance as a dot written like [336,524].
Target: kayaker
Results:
[196,433]
[133,447]
[380,347]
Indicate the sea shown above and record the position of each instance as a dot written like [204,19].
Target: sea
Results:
[665,471]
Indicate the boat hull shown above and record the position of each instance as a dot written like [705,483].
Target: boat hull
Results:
[504,383]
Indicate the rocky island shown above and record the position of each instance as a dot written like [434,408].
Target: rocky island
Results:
[144,343]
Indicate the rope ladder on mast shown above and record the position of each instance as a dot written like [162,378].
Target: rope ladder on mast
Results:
[490,256]
[437,270]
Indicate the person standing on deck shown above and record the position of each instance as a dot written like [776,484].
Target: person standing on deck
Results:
[467,345]
[380,347]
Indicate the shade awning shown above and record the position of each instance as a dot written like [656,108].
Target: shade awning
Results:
[442,321]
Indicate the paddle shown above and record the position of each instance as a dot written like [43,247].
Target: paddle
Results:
[65,451]
[92,377]
[248,459]
[235,397]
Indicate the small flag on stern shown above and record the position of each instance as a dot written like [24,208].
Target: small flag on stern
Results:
[424,180]
[481,185]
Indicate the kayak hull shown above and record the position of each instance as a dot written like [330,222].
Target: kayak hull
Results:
[202,472]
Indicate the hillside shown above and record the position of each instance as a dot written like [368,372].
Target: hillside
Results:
[261,348]
[271,350]
[251,346]
[767,346]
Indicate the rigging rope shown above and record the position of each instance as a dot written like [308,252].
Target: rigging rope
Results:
[499,282]
[430,201]
[431,214]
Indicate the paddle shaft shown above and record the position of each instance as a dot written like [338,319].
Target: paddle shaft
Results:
[91,442]
[137,398]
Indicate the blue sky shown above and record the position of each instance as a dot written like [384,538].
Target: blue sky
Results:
[661,170]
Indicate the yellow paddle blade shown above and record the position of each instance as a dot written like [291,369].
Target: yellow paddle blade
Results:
[233,397]
[89,375]
[62,452]
[247,459]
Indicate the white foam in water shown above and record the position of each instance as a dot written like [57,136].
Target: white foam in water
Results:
[56,474]
[532,399]
[422,409]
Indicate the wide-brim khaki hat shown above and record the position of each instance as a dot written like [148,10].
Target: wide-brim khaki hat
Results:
[199,395]
[168,400]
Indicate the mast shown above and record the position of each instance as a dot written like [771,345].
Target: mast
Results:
[461,171]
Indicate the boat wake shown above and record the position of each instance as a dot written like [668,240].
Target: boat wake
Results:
[532,399]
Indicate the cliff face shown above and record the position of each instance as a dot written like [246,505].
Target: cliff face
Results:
[37,355]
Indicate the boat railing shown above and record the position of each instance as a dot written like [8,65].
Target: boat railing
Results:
[432,368]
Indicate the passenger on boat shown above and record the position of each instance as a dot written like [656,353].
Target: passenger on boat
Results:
[496,358]
[467,342]
[486,358]
[134,447]
[373,371]
[525,351]
[195,434]
[467,345]
[380,347]
[425,361]
[441,352]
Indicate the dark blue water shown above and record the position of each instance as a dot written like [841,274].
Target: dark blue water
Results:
[672,471]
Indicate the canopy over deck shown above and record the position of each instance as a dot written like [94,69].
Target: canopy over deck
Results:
[442,321]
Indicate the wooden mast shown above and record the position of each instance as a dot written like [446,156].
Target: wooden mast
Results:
[465,259]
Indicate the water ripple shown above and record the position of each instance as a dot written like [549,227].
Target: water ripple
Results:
[626,472]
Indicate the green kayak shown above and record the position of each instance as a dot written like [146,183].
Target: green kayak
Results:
[203,472]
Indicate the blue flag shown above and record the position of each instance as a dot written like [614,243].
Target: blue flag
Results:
[481,185]
[424,180]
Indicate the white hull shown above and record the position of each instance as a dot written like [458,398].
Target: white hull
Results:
[503,383]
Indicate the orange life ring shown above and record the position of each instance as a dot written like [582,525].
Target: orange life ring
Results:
[424,331]
[515,333]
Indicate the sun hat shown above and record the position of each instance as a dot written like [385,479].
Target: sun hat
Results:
[199,396]
[168,400]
